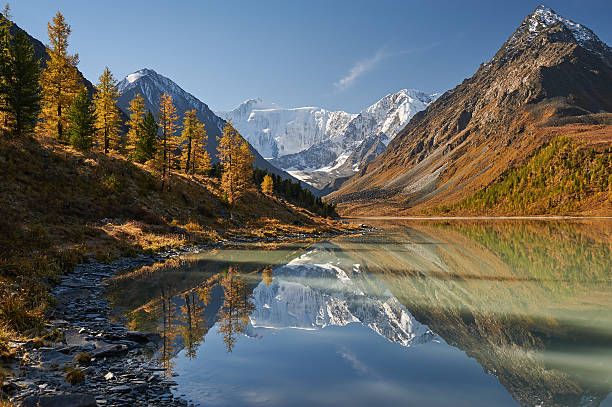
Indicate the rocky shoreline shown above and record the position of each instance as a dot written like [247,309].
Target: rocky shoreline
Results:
[122,370]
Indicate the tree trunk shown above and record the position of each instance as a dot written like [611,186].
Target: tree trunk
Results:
[164,163]
[188,157]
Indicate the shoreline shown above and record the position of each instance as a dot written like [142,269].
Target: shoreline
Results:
[545,217]
[122,370]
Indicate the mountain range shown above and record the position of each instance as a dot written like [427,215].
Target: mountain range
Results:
[552,77]
[151,86]
[320,146]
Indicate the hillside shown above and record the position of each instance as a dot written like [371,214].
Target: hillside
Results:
[551,78]
[60,206]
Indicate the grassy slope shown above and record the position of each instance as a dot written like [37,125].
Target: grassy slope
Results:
[58,204]
[568,175]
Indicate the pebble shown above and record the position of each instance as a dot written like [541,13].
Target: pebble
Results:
[120,371]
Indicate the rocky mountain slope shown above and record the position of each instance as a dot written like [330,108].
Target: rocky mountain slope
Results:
[152,86]
[551,73]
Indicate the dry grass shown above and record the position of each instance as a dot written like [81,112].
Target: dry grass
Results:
[59,204]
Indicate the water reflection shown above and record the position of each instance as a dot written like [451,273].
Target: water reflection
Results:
[531,302]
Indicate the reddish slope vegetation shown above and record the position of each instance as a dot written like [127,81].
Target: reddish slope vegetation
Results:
[549,79]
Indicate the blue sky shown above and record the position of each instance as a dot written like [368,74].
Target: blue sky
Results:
[334,54]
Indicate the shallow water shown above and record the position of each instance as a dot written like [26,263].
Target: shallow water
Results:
[473,313]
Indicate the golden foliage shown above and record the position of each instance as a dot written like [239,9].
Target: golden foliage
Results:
[137,114]
[195,156]
[59,81]
[267,185]
[167,123]
[237,162]
[107,112]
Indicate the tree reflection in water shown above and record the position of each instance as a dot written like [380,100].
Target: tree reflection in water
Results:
[236,308]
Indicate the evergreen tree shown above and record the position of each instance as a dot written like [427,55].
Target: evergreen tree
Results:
[107,112]
[267,185]
[146,144]
[59,80]
[167,123]
[134,134]
[237,162]
[19,85]
[82,120]
[195,155]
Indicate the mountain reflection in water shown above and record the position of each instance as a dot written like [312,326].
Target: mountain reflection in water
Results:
[530,302]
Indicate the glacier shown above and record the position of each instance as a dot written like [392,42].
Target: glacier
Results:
[276,131]
[312,143]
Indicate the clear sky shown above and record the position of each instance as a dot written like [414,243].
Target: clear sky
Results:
[331,53]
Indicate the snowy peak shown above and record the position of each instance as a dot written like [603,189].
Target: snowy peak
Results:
[544,18]
[275,131]
[384,119]
[133,77]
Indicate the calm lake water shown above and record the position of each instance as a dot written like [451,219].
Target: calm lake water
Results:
[470,313]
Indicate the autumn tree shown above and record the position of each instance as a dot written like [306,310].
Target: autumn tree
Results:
[19,81]
[107,112]
[146,144]
[134,124]
[267,185]
[195,156]
[167,123]
[59,80]
[82,119]
[237,163]
[5,41]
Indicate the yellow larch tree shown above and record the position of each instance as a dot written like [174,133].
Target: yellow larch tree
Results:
[59,80]
[237,163]
[134,124]
[167,119]
[107,112]
[195,156]
[267,185]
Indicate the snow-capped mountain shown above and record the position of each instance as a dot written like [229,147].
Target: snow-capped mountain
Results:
[276,131]
[384,118]
[311,292]
[151,86]
[544,16]
[315,139]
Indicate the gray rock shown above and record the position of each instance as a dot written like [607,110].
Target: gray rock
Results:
[62,400]
[108,349]
[121,389]
[73,338]
[143,337]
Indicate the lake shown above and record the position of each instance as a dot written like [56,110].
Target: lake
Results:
[437,313]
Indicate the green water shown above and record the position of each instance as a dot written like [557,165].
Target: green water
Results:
[416,313]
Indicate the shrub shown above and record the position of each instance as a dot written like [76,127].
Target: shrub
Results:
[74,376]
[83,359]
